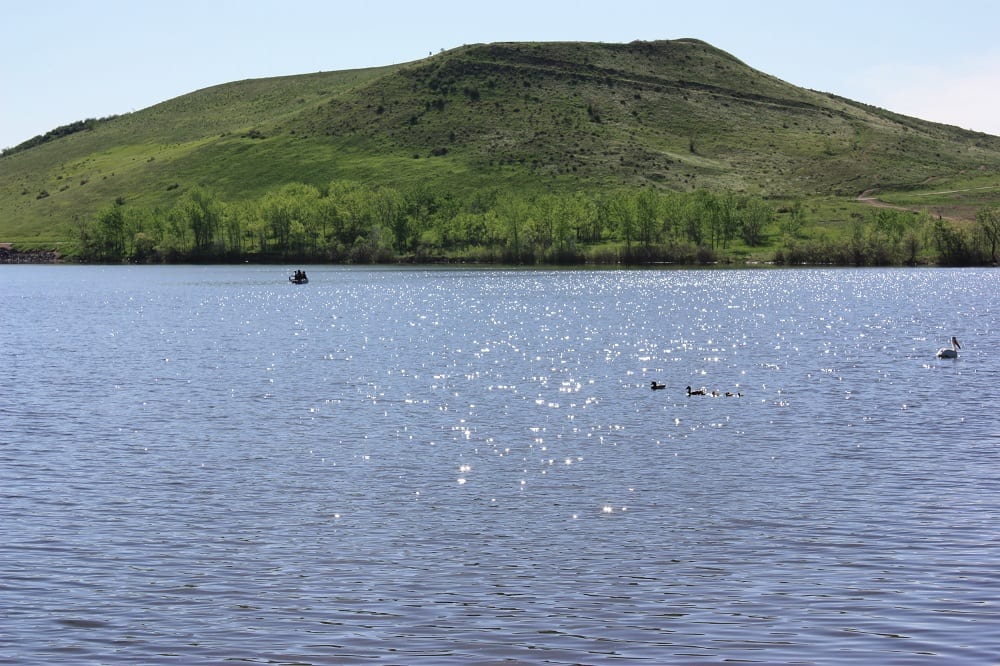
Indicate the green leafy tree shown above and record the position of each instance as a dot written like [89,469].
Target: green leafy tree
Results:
[352,211]
[389,215]
[587,222]
[794,220]
[232,231]
[111,232]
[673,214]
[857,243]
[951,245]
[277,214]
[513,213]
[698,215]
[647,216]
[755,215]
[726,215]
[175,244]
[988,219]
[622,216]
[202,213]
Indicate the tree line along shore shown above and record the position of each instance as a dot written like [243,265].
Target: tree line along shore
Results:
[348,222]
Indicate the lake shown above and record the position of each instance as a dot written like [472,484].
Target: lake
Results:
[204,464]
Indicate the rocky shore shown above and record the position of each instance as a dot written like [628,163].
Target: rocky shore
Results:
[8,255]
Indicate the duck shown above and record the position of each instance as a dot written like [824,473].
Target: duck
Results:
[950,352]
[730,394]
[700,391]
[655,385]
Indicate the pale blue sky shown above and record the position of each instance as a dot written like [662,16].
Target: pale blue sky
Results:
[66,60]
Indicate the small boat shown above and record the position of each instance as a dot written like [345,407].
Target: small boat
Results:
[950,352]
[298,278]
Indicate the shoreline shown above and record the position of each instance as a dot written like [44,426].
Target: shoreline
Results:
[8,255]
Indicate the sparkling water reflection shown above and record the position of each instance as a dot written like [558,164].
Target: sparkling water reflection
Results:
[467,466]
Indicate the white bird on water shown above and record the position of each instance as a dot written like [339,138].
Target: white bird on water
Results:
[950,352]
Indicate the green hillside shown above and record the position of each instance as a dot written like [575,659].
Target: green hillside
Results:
[531,118]
[151,155]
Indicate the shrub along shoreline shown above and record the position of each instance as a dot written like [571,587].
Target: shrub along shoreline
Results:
[354,223]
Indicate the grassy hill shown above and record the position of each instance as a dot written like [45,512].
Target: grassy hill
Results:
[532,117]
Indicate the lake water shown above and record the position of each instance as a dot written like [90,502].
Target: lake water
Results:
[467,466]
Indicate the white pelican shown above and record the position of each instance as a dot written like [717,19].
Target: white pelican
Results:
[950,352]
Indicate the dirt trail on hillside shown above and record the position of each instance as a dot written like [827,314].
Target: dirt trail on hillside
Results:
[950,213]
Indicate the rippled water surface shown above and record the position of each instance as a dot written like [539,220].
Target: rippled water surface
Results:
[410,466]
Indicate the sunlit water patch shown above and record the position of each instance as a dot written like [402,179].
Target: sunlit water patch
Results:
[468,466]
